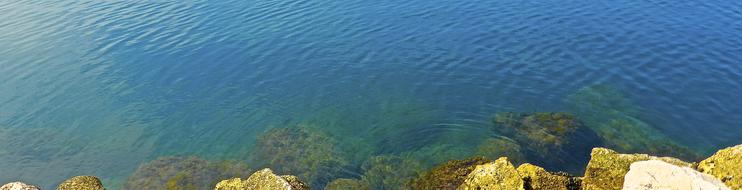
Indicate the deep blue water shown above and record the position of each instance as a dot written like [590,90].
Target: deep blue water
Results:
[98,87]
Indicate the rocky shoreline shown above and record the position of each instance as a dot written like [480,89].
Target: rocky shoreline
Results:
[606,170]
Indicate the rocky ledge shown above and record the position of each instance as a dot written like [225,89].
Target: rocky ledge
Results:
[606,170]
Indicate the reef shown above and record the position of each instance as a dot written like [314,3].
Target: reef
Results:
[302,151]
[81,183]
[344,184]
[183,173]
[493,148]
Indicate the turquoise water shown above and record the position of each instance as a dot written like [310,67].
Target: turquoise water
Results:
[100,87]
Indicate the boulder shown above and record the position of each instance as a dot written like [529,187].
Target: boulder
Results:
[81,183]
[538,178]
[500,175]
[607,168]
[18,186]
[264,179]
[658,175]
[726,164]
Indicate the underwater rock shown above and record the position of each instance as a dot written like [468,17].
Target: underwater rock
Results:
[81,183]
[725,164]
[18,186]
[552,139]
[537,178]
[301,151]
[615,119]
[264,179]
[500,174]
[345,184]
[449,175]
[183,173]
[658,175]
[493,148]
[607,168]
[390,172]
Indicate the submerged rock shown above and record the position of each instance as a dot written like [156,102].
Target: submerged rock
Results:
[659,175]
[616,120]
[264,179]
[493,148]
[607,168]
[81,183]
[18,186]
[307,153]
[537,178]
[345,184]
[183,173]
[726,164]
[500,175]
[449,175]
[390,172]
[552,139]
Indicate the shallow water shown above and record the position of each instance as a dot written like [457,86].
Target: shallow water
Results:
[99,87]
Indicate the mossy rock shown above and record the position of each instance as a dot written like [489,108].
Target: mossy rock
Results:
[264,179]
[347,184]
[183,173]
[500,175]
[726,165]
[449,175]
[537,178]
[607,168]
[301,151]
[81,183]
[493,148]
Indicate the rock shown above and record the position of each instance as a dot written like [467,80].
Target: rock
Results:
[726,164]
[449,175]
[184,173]
[500,175]
[607,168]
[657,175]
[345,184]
[263,180]
[81,183]
[538,178]
[18,186]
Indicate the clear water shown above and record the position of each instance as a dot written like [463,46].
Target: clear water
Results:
[99,87]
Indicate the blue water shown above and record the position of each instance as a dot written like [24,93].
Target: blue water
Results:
[99,87]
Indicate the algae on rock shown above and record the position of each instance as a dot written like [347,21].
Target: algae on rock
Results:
[725,164]
[183,173]
[494,148]
[537,178]
[607,168]
[390,172]
[301,151]
[81,183]
[264,179]
[500,175]
[449,175]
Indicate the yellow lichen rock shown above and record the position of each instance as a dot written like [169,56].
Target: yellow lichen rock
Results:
[81,183]
[498,175]
[538,178]
[607,168]
[726,164]
[263,180]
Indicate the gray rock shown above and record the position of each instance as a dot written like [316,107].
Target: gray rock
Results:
[18,186]
[659,175]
